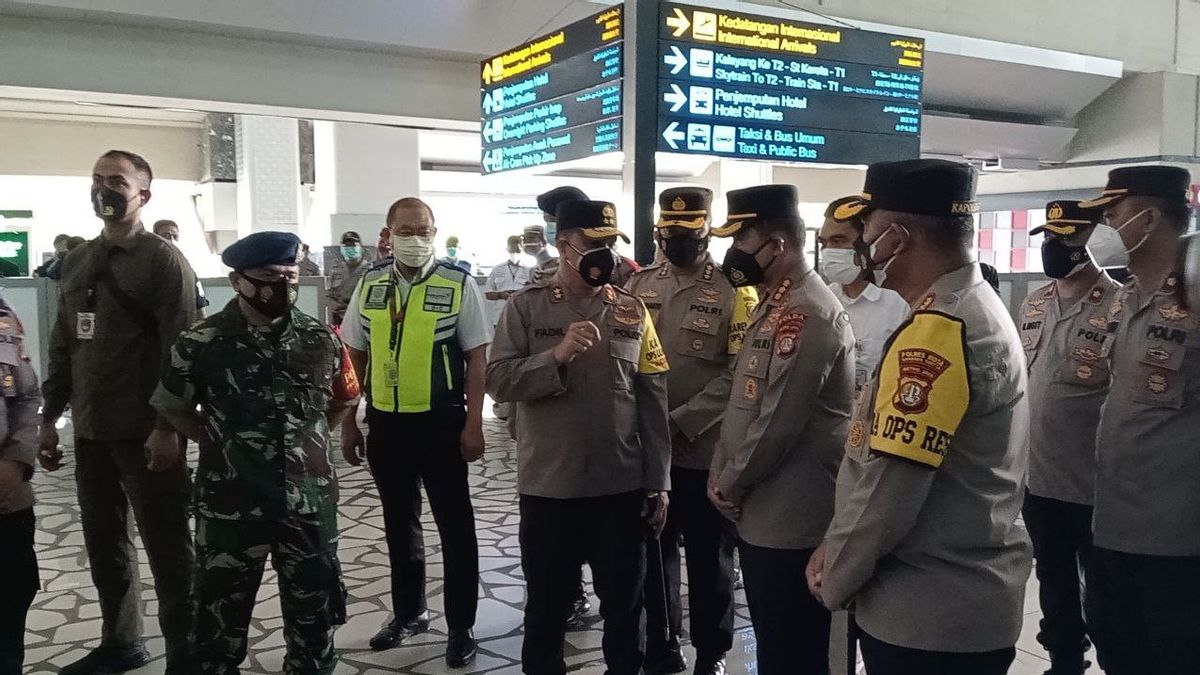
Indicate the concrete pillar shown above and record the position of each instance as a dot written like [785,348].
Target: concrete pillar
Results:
[268,174]
[360,170]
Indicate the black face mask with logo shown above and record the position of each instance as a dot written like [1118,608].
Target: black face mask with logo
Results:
[684,251]
[109,204]
[1060,260]
[596,265]
[271,298]
[742,268]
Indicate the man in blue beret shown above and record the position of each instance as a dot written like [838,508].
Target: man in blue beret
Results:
[268,382]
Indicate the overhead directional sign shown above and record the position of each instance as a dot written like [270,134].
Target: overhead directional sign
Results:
[554,98]
[556,146]
[761,87]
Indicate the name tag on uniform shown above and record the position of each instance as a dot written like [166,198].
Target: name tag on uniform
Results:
[440,300]
[376,297]
[391,374]
[85,325]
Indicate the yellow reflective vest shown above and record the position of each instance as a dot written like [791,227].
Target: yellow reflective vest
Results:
[416,363]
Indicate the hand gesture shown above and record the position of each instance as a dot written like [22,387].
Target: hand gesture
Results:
[580,337]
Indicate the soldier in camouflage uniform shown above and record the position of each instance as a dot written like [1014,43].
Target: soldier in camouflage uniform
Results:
[268,379]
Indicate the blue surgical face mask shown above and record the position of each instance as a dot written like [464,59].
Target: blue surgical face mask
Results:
[352,252]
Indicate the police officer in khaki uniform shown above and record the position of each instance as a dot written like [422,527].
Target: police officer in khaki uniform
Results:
[924,542]
[581,360]
[1146,526]
[702,319]
[781,438]
[1063,328]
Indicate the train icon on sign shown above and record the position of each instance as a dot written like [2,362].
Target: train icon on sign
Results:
[701,62]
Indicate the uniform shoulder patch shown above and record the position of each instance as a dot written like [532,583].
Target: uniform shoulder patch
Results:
[924,389]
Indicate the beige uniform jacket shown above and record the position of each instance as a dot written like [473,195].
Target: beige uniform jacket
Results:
[700,319]
[597,425]
[1067,384]
[1148,446]
[924,540]
[789,410]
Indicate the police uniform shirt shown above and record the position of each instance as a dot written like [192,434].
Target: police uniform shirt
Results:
[474,329]
[598,425]
[874,315]
[788,414]
[924,540]
[1067,384]
[701,320]
[1148,445]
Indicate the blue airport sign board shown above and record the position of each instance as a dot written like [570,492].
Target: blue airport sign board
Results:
[757,87]
[555,98]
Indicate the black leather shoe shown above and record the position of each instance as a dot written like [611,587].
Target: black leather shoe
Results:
[1068,666]
[396,632]
[108,660]
[579,610]
[460,650]
[705,666]
[665,659]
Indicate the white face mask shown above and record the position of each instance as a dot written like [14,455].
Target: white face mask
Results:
[514,258]
[880,272]
[1106,249]
[837,266]
[412,250]
[1144,238]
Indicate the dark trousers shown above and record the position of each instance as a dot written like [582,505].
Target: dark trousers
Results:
[888,659]
[791,627]
[709,540]
[557,535]
[408,450]
[19,572]
[1062,544]
[1147,613]
[111,478]
[231,556]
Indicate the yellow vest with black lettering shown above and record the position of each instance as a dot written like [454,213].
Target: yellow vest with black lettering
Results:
[416,363]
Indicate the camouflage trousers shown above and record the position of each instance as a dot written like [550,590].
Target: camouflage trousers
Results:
[230,557]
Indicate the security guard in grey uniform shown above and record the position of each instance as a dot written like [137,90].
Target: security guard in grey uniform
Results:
[1146,526]
[924,541]
[775,464]
[701,318]
[581,360]
[1063,328]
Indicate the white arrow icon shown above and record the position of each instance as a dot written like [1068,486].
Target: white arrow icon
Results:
[487,104]
[679,22]
[487,133]
[676,98]
[675,59]
[674,135]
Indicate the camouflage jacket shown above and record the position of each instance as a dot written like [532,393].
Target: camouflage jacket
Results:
[263,396]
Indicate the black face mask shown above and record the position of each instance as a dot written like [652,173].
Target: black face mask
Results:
[1060,260]
[109,204]
[272,298]
[596,266]
[742,268]
[683,251]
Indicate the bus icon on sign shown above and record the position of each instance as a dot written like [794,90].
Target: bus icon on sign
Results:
[699,137]
[723,139]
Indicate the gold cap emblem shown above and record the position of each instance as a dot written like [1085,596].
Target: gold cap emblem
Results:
[679,204]
[1055,212]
